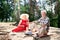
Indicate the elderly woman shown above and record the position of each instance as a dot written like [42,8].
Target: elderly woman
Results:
[45,23]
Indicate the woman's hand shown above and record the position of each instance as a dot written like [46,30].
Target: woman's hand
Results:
[27,28]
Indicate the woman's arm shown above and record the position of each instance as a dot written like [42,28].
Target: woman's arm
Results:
[19,22]
[27,24]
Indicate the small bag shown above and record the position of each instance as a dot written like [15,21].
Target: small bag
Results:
[28,32]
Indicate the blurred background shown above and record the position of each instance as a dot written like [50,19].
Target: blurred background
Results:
[10,10]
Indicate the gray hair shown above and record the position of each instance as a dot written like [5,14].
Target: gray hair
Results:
[43,11]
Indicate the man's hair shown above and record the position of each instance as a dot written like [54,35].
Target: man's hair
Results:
[43,11]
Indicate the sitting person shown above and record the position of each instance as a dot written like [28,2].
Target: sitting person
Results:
[23,24]
[45,23]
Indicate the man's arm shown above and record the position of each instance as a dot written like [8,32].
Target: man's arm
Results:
[37,21]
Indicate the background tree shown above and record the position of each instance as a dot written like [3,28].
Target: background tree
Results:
[57,11]
[10,10]
[5,10]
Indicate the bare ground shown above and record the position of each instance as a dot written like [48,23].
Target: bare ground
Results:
[54,33]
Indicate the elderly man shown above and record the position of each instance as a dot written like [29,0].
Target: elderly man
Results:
[45,23]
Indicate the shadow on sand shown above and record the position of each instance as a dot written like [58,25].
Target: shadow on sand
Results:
[43,38]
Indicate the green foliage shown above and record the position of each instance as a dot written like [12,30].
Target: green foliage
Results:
[24,9]
[53,18]
[5,10]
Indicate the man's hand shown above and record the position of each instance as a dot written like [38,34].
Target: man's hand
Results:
[43,25]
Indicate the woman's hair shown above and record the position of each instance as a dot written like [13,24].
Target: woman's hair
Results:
[24,15]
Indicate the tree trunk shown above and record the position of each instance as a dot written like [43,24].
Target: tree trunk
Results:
[58,11]
[31,8]
[31,11]
[17,12]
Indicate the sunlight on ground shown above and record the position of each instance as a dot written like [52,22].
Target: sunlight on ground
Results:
[53,32]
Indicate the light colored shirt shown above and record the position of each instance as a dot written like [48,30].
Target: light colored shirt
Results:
[44,21]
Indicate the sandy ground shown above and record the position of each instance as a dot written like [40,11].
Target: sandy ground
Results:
[53,32]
